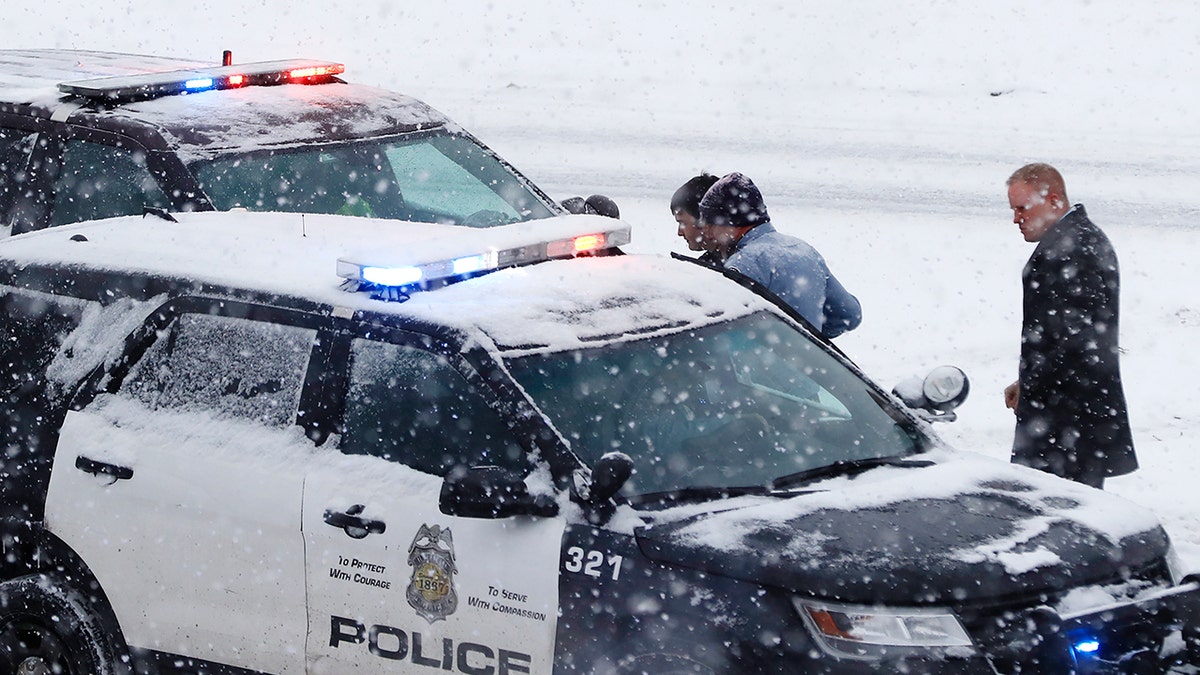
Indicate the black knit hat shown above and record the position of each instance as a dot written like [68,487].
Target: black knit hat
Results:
[733,201]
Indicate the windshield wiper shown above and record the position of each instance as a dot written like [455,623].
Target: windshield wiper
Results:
[846,467]
[693,495]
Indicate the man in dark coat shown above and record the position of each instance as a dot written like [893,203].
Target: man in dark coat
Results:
[1070,406]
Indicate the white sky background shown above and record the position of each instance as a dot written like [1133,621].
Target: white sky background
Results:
[870,127]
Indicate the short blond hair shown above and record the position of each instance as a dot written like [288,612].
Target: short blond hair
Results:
[1043,176]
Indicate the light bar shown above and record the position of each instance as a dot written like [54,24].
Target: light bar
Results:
[450,269]
[155,85]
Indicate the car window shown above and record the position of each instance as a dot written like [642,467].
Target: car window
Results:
[433,182]
[228,366]
[440,178]
[410,406]
[739,403]
[15,148]
[102,181]
[342,181]
[32,330]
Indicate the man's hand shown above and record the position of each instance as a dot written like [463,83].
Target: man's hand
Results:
[1012,394]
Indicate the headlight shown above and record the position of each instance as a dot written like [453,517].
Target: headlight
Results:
[860,632]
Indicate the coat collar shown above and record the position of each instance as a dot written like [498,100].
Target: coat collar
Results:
[757,232]
[1069,221]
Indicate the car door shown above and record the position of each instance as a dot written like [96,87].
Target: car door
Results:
[394,584]
[179,478]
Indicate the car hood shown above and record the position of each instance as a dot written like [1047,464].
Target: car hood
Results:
[964,530]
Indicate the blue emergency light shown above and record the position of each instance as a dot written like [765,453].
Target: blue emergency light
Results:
[1088,646]
[199,84]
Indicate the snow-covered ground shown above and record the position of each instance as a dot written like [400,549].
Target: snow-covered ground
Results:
[880,132]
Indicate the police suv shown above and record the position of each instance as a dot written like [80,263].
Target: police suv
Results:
[88,135]
[278,443]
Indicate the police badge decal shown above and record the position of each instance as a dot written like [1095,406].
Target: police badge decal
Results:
[431,590]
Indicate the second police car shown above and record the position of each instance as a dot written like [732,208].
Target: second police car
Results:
[275,443]
[88,135]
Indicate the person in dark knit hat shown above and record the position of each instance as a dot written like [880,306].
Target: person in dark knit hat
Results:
[735,230]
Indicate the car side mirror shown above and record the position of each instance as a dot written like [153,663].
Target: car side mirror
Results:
[594,489]
[935,396]
[491,492]
[605,479]
[595,204]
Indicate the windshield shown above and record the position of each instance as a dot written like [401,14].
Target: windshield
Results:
[740,403]
[431,178]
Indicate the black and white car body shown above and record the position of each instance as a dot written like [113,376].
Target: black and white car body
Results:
[90,135]
[228,448]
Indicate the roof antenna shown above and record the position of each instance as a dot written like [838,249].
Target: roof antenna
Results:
[227,58]
[303,231]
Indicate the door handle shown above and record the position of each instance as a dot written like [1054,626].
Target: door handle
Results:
[95,468]
[355,526]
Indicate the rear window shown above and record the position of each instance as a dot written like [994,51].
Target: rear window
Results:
[102,181]
[228,366]
[15,148]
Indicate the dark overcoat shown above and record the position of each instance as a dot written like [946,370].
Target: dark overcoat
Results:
[1071,417]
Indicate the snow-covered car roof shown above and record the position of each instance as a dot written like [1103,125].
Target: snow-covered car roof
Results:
[242,118]
[32,75]
[555,304]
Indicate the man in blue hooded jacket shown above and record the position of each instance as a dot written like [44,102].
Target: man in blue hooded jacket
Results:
[736,231]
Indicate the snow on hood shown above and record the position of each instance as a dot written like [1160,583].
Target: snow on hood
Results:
[966,527]
[955,475]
